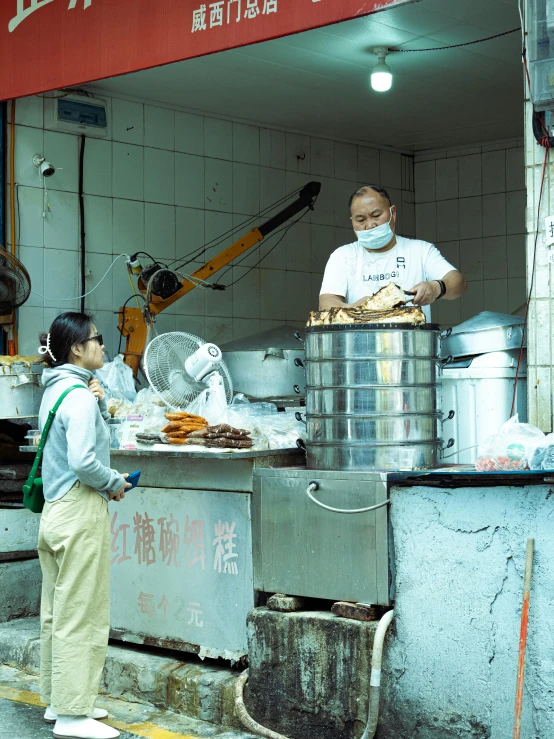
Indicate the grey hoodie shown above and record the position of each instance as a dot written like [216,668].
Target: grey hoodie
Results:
[78,444]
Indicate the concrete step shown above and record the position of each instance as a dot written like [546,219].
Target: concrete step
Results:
[22,715]
[204,692]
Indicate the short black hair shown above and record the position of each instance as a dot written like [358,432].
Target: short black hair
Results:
[364,190]
[66,330]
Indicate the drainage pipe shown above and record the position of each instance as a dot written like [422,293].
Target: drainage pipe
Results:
[375,680]
[244,716]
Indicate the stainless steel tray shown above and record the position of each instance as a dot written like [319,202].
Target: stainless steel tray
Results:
[344,430]
[367,400]
[372,457]
[362,344]
[371,371]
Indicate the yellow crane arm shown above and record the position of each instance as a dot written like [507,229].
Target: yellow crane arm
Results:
[132,324]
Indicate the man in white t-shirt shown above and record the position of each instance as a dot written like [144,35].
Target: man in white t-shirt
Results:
[356,271]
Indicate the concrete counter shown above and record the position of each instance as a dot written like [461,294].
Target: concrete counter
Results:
[451,661]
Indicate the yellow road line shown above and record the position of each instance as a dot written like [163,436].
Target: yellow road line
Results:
[146,729]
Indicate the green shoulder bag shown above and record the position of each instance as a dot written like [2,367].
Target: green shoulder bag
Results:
[33,497]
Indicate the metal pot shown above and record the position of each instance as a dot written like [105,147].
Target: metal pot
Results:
[372,456]
[377,429]
[371,371]
[364,343]
[372,396]
[361,401]
[267,365]
[485,332]
[20,390]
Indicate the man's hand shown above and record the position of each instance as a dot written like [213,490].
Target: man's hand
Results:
[425,293]
[359,302]
[96,389]
[121,493]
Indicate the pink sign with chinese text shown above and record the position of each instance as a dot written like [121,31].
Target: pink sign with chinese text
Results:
[50,44]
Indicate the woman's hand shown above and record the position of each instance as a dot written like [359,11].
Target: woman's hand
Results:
[121,493]
[96,389]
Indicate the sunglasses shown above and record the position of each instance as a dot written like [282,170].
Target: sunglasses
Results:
[97,338]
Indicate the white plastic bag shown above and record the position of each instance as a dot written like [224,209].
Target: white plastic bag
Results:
[510,448]
[117,380]
[541,455]
[211,404]
[269,430]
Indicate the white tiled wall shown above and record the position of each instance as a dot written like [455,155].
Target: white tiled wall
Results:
[167,183]
[540,346]
[471,204]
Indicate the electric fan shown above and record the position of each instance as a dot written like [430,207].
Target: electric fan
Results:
[15,283]
[180,366]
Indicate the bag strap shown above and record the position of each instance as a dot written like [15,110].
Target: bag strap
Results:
[46,429]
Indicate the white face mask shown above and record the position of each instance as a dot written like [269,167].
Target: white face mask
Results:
[378,237]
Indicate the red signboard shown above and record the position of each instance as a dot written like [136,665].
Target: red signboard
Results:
[49,44]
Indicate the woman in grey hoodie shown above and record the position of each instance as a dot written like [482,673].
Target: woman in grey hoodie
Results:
[74,536]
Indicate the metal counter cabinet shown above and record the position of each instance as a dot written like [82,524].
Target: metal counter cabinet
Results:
[181,567]
[302,549]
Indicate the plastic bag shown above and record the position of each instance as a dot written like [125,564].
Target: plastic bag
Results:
[511,448]
[211,404]
[117,380]
[269,430]
[541,455]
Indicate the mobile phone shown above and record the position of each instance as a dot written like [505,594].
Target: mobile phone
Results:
[133,479]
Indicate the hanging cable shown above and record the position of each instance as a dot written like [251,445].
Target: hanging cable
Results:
[79,297]
[286,229]
[455,46]
[196,253]
[82,221]
[13,342]
[533,269]
[123,317]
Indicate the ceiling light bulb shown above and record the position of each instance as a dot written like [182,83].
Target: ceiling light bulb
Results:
[381,75]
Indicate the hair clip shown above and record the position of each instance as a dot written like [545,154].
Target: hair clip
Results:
[46,349]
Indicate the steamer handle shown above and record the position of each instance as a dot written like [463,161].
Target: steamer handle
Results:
[300,417]
[450,444]
[449,417]
[297,336]
[449,359]
[300,444]
[298,362]
[313,486]
[297,390]
[446,334]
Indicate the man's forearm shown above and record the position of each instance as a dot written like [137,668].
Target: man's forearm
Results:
[456,285]
[327,301]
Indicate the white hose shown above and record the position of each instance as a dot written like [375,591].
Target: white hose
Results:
[313,486]
[245,717]
[375,680]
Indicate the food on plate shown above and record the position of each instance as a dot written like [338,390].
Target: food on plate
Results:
[388,305]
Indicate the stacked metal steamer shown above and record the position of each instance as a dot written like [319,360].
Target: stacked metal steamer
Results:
[371,396]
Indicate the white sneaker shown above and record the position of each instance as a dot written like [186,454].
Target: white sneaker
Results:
[81,727]
[51,716]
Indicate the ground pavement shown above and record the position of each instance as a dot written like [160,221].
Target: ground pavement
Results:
[21,715]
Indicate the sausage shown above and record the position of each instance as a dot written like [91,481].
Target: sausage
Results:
[183,416]
[178,441]
[199,434]
[171,426]
[222,427]
[229,443]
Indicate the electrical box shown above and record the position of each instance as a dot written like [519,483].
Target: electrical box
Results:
[540,53]
[77,114]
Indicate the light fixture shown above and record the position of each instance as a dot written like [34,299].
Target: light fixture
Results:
[381,75]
